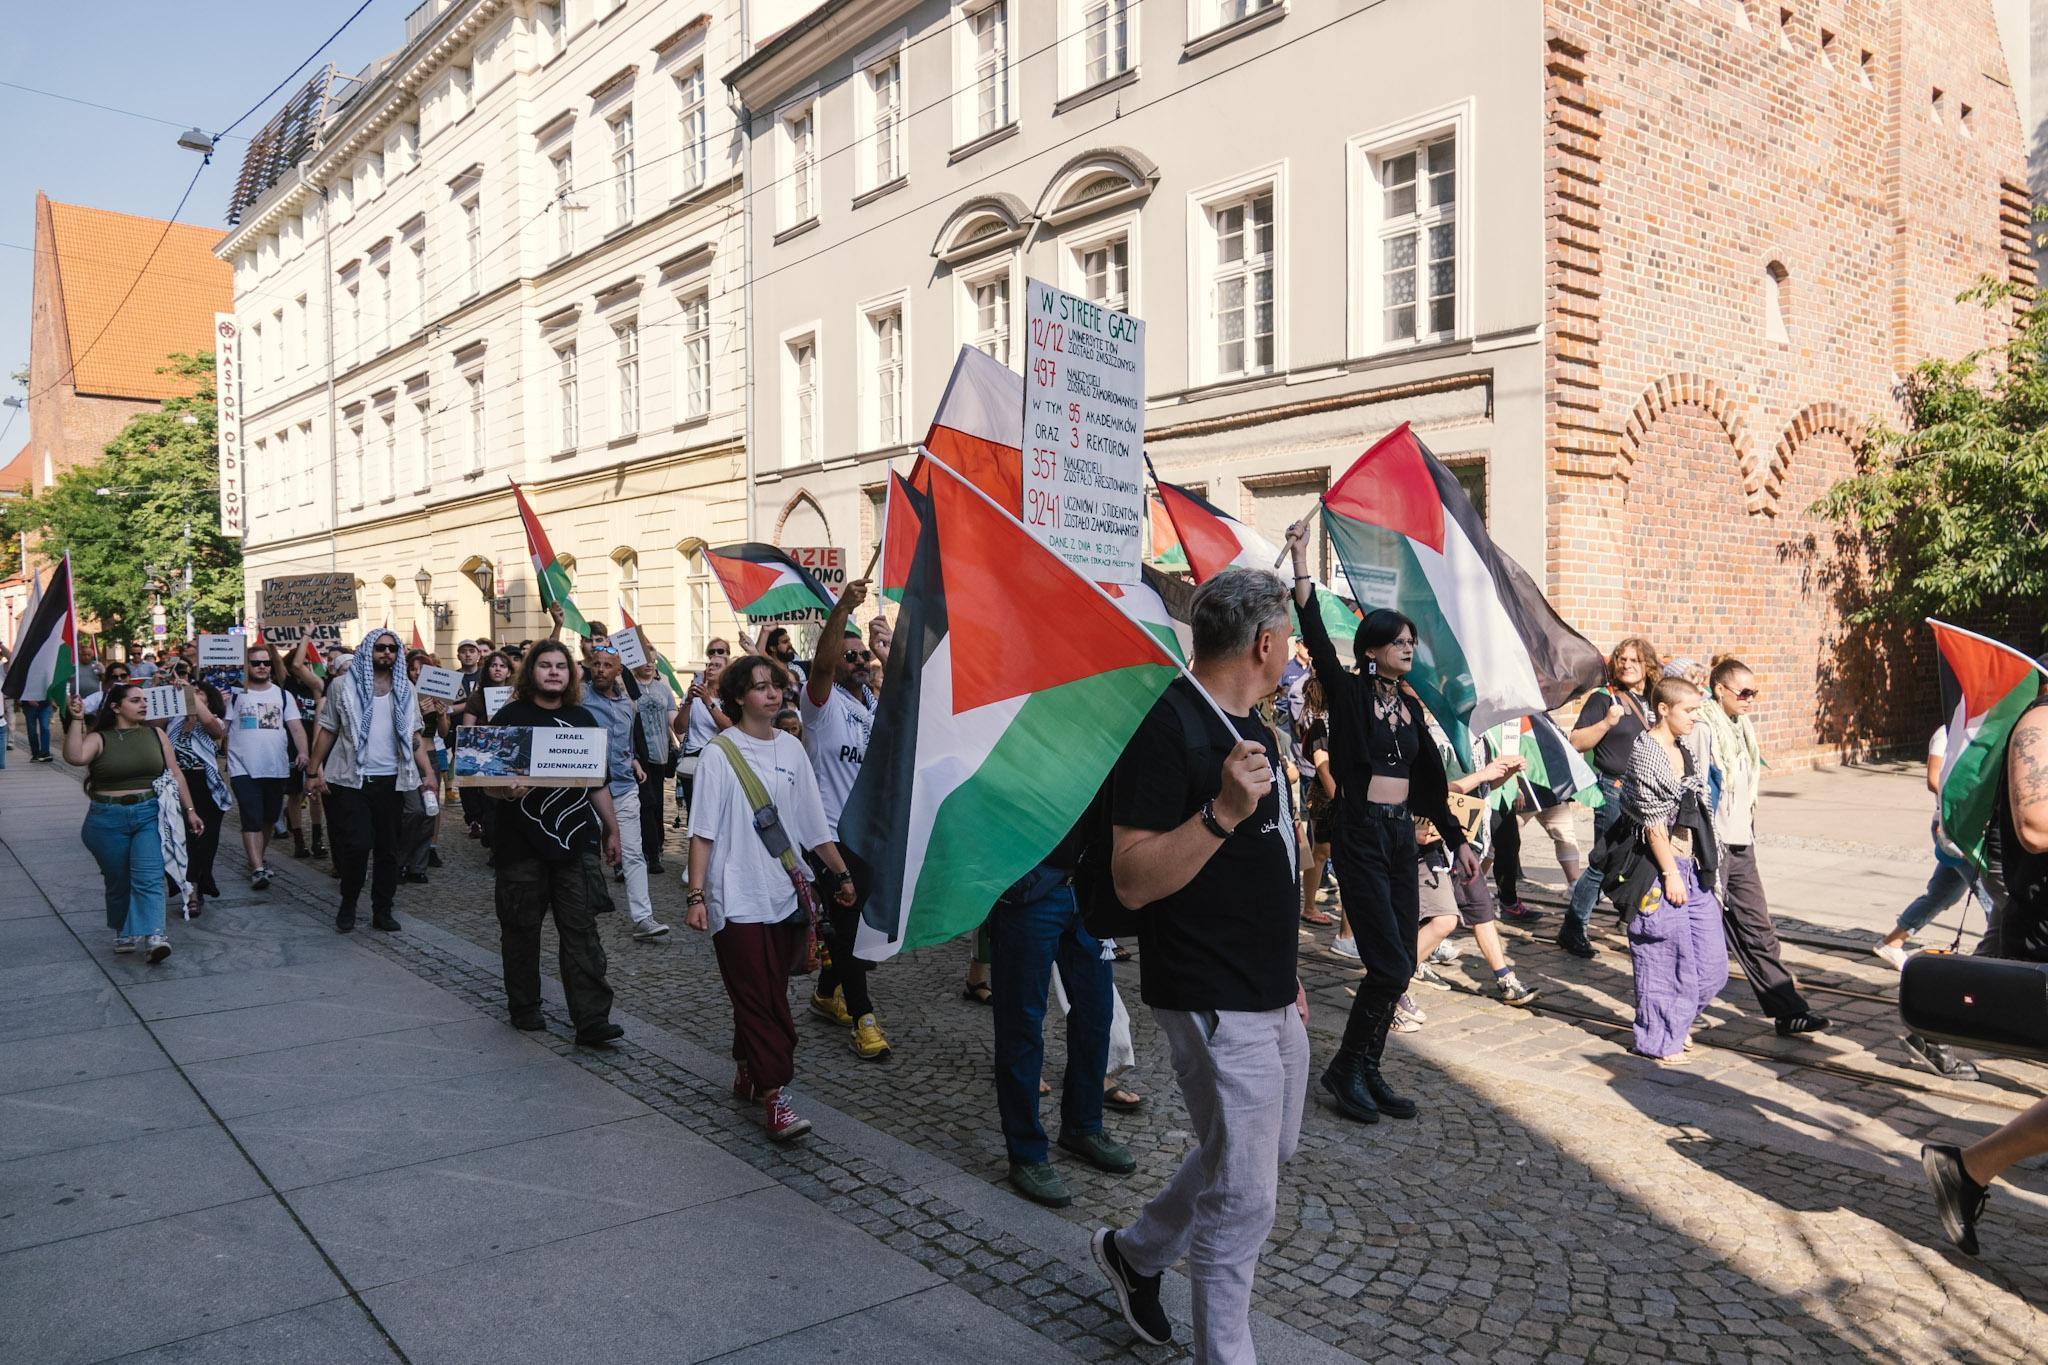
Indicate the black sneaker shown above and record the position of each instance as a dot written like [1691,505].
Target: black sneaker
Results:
[1959,1199]
[1137,1295]
[1572,938]
[1806,1022]
[1937,1057]
[599,1035]
[433,856]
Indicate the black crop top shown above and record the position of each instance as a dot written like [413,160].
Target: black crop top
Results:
[1372,735]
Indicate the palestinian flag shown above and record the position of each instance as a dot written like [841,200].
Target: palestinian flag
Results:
[760,580]
[1489,647]
[548,574]
[990,740]
[1552,773]
[1146,603]
[1984,687]
[900,525]
[626,622]
[1212,540]
[979,427]
[46,647]
[1166,549]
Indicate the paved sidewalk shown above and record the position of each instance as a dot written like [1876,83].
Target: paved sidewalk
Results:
[282,1145]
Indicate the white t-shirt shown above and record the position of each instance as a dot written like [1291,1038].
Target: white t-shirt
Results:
[836,737]
[257,743]
[380,759]
[743,884]
[702,726]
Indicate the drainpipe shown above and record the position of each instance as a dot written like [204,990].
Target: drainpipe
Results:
[333,439]
[746,265]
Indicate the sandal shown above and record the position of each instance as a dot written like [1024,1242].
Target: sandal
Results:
[1045,1087]
[1116,1097]
[1121,954]
[977,991]
[1318,919]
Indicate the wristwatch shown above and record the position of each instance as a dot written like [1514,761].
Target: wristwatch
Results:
[1211,823]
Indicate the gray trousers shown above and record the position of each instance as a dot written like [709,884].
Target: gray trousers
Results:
[1754,938]
[1244,1077]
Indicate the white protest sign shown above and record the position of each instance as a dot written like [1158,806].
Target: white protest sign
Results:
[495,699]
[531,756]
[627,643]
[1373,586]
[220,651]
[165,703]
[1084,432]
[443,684]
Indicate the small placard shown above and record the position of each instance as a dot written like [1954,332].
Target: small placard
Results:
[165,703]
[220,651]
[442,684]
[495,699]
[1375,586]
[531,756]
[631,652]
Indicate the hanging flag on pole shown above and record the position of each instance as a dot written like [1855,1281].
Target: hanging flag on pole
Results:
[45,659]
[992,736]
[760,580]
[1145,602]
[1212,540]
[1984,687]
[1488,646]
[548,574]
[901,521]
[1552,773]
[28,613]
[1167,553]
[977,426]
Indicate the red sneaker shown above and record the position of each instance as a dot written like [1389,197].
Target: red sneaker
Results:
[743,1084]
[780,1120]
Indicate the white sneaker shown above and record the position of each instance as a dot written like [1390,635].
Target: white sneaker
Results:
[1445,955]
[1428,976]
[1892,953]
[159,947]
[650,929]
[1406,1005]
[124,943]
[1345,947]
[1405,1023]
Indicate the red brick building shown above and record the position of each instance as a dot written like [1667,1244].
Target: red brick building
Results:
[1759,215]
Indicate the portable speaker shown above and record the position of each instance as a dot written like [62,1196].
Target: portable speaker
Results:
[1980,1002]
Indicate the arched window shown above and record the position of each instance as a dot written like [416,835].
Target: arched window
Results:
[699,591]
[1777,302]
[628,562]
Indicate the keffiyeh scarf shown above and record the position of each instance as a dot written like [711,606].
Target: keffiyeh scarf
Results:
[361,680]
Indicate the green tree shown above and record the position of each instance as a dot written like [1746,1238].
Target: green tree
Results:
[1952,508]
[161,473]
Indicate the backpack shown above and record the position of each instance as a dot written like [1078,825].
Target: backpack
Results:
[1102,914]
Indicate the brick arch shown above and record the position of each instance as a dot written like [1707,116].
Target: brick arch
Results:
[1810,422]
[802,499]
[1689,389]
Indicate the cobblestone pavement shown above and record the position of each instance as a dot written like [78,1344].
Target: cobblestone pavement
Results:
[1557,1200]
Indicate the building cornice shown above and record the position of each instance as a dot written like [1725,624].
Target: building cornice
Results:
[799,51]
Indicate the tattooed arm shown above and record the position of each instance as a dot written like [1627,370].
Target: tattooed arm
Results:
[2026,775]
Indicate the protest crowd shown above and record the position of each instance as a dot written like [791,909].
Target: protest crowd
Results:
[1218,773]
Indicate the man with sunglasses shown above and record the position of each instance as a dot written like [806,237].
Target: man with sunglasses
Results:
[839,715]
[266,741]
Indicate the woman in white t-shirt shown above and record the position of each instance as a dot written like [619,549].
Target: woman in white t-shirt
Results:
[747,897]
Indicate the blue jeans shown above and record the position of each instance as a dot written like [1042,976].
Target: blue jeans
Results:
[1034,925]
[1586,890]
[1947,886]
[37,716]
[123,840]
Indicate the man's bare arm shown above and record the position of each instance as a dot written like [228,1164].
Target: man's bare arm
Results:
[2026,775]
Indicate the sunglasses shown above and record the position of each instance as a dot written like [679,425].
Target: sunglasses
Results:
[858,656]
[1744,694]
[718,653]
[384,649]
[603,649]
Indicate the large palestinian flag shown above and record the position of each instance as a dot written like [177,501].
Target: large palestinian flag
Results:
[46,646]
[1013,686]
[1552,771]
[1488,645]
[548,574]
[1984,687]
[1150,602]
[1166,549]
[1212,540]
[979,424]
[760,580]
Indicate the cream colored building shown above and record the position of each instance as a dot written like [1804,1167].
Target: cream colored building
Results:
[1329,222]
[513,251]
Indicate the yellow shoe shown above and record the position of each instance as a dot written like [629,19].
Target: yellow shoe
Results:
[868,1043]
[832,1007]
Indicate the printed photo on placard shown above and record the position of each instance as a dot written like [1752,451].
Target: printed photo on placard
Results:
[227,677]
[518,755]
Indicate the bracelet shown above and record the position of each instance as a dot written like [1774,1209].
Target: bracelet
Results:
[1210,822]
[1304,578]
[694,897]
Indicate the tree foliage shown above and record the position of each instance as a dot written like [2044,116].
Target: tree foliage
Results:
[162,474]
[1952,507]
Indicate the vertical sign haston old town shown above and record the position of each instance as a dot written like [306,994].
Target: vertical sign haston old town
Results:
[1084,433]
[227,407]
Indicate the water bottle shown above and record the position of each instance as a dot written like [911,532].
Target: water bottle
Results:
[431,803]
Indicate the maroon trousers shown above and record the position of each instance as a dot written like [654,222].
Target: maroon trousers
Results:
[754,960]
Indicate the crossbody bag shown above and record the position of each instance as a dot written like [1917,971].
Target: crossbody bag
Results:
[774,838]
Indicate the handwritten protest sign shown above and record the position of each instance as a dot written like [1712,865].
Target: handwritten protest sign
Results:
[165,703]
[627,642]
[1084,432]
[443,684]
[531,756]
[322,598]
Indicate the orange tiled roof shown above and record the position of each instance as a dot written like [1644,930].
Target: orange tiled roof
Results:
[19,474]
[98,253]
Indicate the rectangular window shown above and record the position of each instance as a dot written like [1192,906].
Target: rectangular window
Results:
[473,240]
[384,304]
[690,129]
[1241,285]
[694,377]
[353,336]
[1105,40]
[422,445]
[1230,11]
[353,471]
[1418,242]
[475,382]
[547,22]
[803,364]
[419,284]
[303,316]
[568,424]
[801,133]
[622,169]
[278,348]
[388,474]
[626,378]
[1106,273]
[254,362]
[885,89]
[991,303]
[304,462]
[564,163]
[885,425]
[989,37]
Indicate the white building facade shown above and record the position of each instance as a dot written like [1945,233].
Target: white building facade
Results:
[1328,226]
[514,254]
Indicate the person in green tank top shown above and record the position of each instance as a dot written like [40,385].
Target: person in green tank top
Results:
[123,756]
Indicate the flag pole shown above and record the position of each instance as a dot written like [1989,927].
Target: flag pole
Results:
[1283,549]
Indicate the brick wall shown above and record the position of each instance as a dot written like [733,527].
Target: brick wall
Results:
[1694,148]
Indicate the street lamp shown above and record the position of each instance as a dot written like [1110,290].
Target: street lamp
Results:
[424,581]
[197,140]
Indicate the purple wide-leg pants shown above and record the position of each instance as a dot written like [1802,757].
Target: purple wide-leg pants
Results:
[1681,964]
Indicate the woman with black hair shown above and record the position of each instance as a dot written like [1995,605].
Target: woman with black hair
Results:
[195,741]
[1387,772]
[493,671]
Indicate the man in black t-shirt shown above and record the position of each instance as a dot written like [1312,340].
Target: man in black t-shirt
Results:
[546,848]
[1204,844]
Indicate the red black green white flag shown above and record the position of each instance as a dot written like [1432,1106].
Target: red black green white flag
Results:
[1012,688]
[661,664]
[760,580]
[1488,645]
[1984,687]
[979,425]
[46,647]
[900,523]
[549,577]
[1211,540]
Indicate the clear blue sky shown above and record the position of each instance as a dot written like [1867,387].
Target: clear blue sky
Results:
[187,64]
